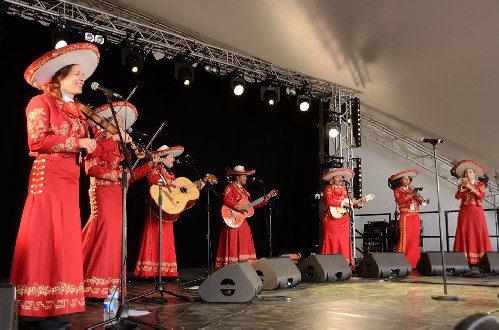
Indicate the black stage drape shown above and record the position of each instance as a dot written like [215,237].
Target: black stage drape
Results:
[216,128]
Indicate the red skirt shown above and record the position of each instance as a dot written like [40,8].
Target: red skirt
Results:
[336,237]
[148,260]
[409,229]
[235,245]
[47,267]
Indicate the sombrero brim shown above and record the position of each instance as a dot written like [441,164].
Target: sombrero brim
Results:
[42,70]
[462,165]
[231,171]
[126,111]
[409,173]
[346,173]
[175,151]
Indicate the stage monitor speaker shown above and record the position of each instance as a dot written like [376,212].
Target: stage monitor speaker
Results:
[490,262]
[324,267]
[480,321]
[8,307]
[430,263]
[277,273]
[384,264]
[237,282]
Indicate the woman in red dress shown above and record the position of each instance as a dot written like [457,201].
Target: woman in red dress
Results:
[102,237]
[236,244]
[148,259]
[47,267]
[408,201]
[336,219]
[472,235]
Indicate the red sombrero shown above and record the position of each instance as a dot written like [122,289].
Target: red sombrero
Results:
[165,150]
[42,70]
[126,111]
[346,173]
[239,170]
[409,173]
[462,165]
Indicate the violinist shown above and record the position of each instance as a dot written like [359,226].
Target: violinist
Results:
[472,236]
[47,264]
[102,233]
[408,200]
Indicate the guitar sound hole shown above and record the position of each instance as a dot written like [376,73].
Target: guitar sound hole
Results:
[183,189]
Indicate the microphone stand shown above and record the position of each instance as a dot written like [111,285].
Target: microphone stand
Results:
[445,297]
[123,312]
[270,207]
[209,261]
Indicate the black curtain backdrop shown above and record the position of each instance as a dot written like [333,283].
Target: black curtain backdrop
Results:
[216,128]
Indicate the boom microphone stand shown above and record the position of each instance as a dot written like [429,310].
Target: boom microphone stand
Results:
[123,312]
[444,271]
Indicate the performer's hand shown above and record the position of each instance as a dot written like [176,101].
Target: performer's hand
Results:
[88,144]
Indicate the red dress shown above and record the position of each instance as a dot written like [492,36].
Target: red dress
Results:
[336,232]
[147,260]
[236,244]
[472,235]
[47,267]
[409,224]
[103,232]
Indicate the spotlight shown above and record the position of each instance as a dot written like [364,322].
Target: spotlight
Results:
[132,59]
[210,68]
[270,95]
[60,37]
[303,102]
[237,83]
[333,130]
[357,179]
[185,73]
[94,38]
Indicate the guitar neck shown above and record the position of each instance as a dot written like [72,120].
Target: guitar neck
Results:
[255,202]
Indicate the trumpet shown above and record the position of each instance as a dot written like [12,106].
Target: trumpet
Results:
[462,182]
[417,195]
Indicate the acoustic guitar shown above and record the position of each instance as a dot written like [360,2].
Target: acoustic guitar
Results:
[174,200]
[234,218]
[338,211]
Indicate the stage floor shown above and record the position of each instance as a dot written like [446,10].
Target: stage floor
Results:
[357,303]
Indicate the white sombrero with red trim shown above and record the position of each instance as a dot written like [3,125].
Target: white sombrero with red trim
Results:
[346,173]
[239,170]
[42,70]
[462,165]
[165,150]
[409,173]
[125,110]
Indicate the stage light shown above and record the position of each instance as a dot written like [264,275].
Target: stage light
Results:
[237,83]
[331,161]
[271,95]
[355,103]
[210,68]
[60,37]
[185,73]
[333,130]
[357,179]
[303,102]
[95,38]
[132,59]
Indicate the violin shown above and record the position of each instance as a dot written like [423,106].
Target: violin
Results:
[137,148]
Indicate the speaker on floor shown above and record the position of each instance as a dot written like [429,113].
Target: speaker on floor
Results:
[237,282]
[384,264]
[430,263]
[8,307]
[490,262]
[480,321]
[324,267]
[277,273]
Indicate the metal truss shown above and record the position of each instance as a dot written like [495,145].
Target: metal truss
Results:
[415,152]
[119,24]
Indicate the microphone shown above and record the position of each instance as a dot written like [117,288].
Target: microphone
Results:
[434,141]
[96,87]
[255,179]
[130,130]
